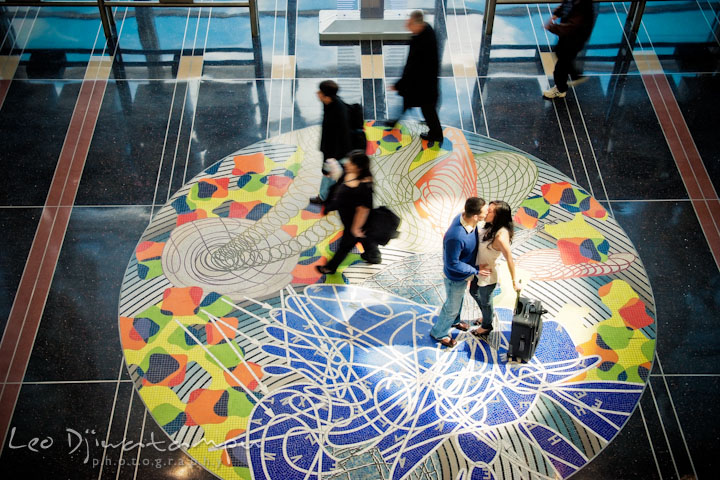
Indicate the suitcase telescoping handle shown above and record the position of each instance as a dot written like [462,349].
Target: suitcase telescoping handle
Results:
[517,298]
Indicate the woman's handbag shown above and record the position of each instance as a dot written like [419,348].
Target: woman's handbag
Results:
[382,225]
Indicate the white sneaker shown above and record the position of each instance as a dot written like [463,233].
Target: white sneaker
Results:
[554,93]
[577,81]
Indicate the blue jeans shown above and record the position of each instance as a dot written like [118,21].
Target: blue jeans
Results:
[325,184]
[483,297]
[450,311]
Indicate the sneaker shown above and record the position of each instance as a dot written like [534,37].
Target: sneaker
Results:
[577,81]
[374,259]
[324,270]
[554,93]
[388,122]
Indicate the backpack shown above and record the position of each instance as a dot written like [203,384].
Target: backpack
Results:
[356,116]
[356,123]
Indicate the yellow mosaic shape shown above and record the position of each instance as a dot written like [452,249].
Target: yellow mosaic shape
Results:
[575,228]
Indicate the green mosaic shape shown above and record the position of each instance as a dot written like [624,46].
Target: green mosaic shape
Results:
[225,354]
[177,338]
[255,183]
[238,403]
[616,338]
[537,204]
[165,413]
[219,308]
[154,268]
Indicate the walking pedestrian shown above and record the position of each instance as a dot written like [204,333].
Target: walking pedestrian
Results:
[576,22]
[352,198]
[335,138]
[419,82]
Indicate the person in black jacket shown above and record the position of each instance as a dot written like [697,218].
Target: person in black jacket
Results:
[353,199]
[335,139]
[419,82]
[577,19]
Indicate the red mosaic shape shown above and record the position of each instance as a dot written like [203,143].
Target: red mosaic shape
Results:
[278,185]
[634,314]
[149,250]
[241,209]
[184,218]
[306,273]
[570,253]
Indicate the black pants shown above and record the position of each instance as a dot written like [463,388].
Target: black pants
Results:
[431,118]
[347,242]
[566,51]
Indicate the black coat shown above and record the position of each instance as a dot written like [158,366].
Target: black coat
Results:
[419,82]
[577,19]
[335,138]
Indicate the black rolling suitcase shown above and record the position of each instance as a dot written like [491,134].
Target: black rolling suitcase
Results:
[526,329]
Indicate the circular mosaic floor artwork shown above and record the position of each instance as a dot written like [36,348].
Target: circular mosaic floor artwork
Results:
[261,368]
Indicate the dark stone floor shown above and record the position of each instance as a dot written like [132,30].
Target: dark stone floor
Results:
[153,133]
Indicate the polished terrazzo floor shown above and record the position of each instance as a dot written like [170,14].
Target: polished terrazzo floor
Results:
[98,147]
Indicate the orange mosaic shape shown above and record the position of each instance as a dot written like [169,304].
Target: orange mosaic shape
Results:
[595,210]
[148,250]
[215,330]
[242,373]
[573,199]
[553,192]
[200,408]
[582,250]
[181,302]
[522,218]
[595,346]
[129,338]
[234,433]
[252,163]
[221,185]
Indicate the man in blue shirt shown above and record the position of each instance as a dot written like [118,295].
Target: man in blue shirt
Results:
[459,256]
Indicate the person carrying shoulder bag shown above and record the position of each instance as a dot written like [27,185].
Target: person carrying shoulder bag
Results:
[353,199]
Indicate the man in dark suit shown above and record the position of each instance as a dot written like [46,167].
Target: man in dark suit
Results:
[419,82]
[577,19]
[335,139]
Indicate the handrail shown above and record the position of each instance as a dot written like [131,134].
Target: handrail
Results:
[105,5]
[637,7]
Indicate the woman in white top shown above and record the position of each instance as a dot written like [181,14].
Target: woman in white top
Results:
[493,240]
